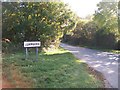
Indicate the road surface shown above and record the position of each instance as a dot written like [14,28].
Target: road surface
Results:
[104,62]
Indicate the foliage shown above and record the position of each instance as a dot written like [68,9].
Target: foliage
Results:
[58,69]
[118,45]
[107,20]
[105,40]
[101,31]
[83,34]
[75,35]
[44,21]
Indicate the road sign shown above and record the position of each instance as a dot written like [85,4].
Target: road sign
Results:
[35,44]
[32,44]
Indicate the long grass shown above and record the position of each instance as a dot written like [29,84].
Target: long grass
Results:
[56,69]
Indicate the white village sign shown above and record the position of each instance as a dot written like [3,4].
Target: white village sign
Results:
[29,44]
[32,44]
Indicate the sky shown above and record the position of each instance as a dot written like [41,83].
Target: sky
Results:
[83,8]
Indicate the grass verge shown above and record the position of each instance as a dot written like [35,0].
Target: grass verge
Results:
[56,69]
[97,48]
[101,49]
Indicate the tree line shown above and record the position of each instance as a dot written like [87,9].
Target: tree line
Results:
[51,22]
[102,31]
[31,21]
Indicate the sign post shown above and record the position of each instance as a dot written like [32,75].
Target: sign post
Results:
[36,53]
[35,44]
[26,52]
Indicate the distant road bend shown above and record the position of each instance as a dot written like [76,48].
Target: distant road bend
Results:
[104,62]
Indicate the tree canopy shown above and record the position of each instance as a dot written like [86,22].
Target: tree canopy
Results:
[106,18]
[44,21]
[101,31]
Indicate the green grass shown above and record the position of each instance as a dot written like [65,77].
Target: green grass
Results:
[101,49]
[106,50]
[97,48]
[56,69]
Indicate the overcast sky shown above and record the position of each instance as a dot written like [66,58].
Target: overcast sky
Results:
[83,7]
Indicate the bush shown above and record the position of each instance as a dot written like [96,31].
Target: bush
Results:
[105,40]
[118,45]
[8,47]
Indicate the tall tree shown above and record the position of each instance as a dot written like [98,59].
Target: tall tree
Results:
[106,18]
[44,21]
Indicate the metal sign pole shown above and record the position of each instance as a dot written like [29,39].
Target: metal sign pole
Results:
[35,44]
[36,53]
[26,53]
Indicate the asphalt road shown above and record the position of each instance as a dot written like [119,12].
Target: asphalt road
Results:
[104,62]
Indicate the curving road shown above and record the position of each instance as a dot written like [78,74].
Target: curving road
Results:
[104,62]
